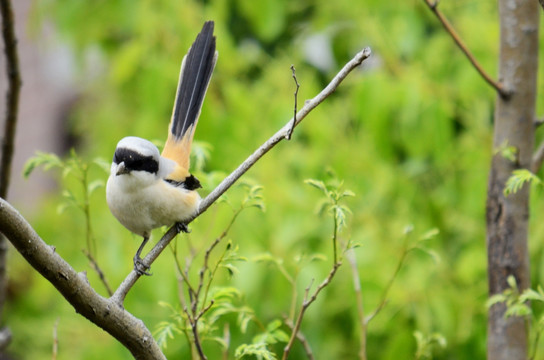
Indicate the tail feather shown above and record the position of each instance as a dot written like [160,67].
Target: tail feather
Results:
[196,70]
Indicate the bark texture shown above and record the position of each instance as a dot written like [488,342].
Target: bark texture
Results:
[75,288]
[507,217]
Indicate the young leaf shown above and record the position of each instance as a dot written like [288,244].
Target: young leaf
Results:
[518,178]
[47,160]
[317,184]
[94,185]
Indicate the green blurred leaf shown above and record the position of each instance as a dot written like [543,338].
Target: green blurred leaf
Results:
[47,160]
[518,178]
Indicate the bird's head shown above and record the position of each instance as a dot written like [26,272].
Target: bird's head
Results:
[138,158]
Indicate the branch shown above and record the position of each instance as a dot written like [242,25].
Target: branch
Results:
[309,105]
[433,5]
[541,3]
[10,122]
[301,338]
[109,314]
[12,96]
[75,288]
[296,97]
[360,305]
[305,304]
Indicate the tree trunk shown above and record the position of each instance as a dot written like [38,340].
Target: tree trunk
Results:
[507,217]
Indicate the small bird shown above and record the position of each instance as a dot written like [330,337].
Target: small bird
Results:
[146,189]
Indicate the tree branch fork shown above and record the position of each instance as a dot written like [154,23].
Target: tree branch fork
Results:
[109,313]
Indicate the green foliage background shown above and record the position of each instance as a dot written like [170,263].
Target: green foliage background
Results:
[409,134]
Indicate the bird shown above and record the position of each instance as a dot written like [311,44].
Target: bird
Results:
[147,189]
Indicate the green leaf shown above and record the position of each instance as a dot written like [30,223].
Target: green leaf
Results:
[102,164]
[258,350]
[519,309]
[530,294]
[266,257]
[94,185]
[165,330]
[233,270]
[495,299]
[511,280]
[47,160]
[507,151]
[347,193]
[273,325]
[430,234]
[518,178]
[318,184]
[432,254]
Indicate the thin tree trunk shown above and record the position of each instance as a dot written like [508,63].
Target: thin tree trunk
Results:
[507,217]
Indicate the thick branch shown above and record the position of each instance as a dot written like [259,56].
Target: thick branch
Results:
[507,217]
[12,102]
[12,97]
[75,288]
[433,5]
[109,313]
[311,104]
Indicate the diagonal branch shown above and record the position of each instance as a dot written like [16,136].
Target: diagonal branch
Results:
[433,5]
[75,287]
[309,105]
[109,314]
[305,305]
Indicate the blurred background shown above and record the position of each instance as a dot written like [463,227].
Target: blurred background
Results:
[409,133]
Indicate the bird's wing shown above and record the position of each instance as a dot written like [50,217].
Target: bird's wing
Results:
[196,70]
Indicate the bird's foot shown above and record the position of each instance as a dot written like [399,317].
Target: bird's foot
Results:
[181,227]
[140,267]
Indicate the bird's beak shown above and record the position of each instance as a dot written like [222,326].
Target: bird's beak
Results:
[122,169]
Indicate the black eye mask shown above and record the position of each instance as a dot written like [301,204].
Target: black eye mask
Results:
[134,161]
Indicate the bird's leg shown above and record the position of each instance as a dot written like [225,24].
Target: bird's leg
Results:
[139,265]
[181,227]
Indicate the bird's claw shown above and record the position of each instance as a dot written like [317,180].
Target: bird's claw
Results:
[140,267]
[181,227]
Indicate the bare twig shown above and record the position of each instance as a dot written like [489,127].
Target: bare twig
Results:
[309,105]
[539,121]
[360,305]
[301,338]
[406,249]
[55,341]
[433,5]
[305,304]
[226,339]
[99,271]
[196,340]
[290,133]
[538,158]
[105,313]
[194,314]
